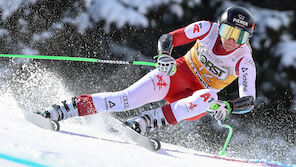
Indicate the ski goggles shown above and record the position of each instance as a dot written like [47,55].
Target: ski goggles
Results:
[227,32]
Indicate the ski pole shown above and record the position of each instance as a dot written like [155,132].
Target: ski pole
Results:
[79,59]
[222,152]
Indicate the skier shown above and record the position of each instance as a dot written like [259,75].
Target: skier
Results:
[189,84]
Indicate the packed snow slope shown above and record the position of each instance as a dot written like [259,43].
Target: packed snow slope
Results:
[87,143]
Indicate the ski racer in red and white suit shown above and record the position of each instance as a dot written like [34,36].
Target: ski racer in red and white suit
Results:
[207,65]
[190,90]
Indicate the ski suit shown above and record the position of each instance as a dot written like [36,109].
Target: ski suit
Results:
[202,72]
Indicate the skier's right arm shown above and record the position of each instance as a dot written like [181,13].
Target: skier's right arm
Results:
[182,36]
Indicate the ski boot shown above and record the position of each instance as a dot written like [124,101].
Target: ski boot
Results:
[147,120]
[61,112]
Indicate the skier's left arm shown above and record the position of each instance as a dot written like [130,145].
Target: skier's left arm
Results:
[247,87]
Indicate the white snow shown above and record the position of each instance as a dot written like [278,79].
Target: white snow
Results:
[133,12]
[3,32]
[85,145]
[10,6]
[114,12]
[42,36]
[92,145]
[82,21]
[266,18]
[178,10]
[287,52]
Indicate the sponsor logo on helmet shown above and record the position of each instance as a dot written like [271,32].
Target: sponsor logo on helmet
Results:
[240,20]
[241,17]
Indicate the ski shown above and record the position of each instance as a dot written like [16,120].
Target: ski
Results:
[41,121]
[151,144]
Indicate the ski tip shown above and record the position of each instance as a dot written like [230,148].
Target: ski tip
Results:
[155,144]
[55,124]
